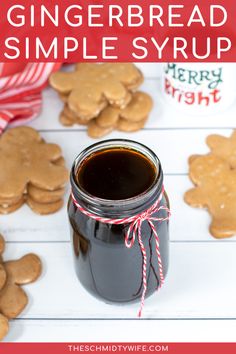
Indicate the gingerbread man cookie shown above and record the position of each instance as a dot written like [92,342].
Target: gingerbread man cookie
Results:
[91,87]
[136,111]
[223,147]
[13,274]
[129,119]
[30,167]
[215,189]
[23,271]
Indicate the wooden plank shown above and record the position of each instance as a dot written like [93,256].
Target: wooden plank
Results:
[120,331]
[200,285]
[162,116]
[173,147]
[26,226]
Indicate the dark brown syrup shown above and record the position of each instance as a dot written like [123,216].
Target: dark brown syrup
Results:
[116,174]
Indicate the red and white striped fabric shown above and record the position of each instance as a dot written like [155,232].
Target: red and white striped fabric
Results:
[20,91]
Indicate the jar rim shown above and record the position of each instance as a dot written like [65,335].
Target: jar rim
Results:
[95,203]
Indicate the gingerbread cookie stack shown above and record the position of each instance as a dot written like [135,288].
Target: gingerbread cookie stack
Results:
[13,274]
[32,172]
[214,177]
[103,97]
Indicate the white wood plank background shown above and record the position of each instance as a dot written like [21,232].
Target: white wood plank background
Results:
[198,301]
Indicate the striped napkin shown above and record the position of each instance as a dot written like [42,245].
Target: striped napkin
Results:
[21,91]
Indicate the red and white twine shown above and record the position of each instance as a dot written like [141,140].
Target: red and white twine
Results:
[135,230]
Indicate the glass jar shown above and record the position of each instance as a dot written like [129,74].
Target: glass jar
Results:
[104,264]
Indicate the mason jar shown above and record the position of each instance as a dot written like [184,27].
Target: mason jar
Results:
[114,183]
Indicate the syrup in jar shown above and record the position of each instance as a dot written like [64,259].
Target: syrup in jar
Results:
[116,179]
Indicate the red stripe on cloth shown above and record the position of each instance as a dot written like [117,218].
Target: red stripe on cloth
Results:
[21,77]
[6,83]
[12,79]
[21,98]
[38,73]
[17,97]
[30,73]
[33,87]
[20,94]
[5,118]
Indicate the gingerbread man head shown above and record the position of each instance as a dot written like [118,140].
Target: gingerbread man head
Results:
[25,158]
[91,87]
[223,147]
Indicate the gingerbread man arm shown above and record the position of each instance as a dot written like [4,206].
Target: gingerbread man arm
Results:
[24,270]
[192,158]
[48,174]
[52,152]
[196,197]
[62,82]
[214,140]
